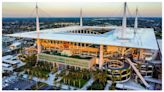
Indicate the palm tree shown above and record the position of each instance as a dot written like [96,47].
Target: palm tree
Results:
[86,74]
[74,76]
[95,74]
[102,78]
[69,79]
[65,79]
[79,75]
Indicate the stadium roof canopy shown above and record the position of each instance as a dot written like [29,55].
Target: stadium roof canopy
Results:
[144,38]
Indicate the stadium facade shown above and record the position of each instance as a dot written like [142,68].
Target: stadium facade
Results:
[121,50]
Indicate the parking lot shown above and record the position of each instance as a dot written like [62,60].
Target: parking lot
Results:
[20,84]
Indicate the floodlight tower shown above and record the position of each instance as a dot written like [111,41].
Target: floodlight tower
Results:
[124,20]
[136,22]
[81,19]
[38,30]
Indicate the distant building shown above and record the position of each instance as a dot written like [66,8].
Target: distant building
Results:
[15,45]
[9,63]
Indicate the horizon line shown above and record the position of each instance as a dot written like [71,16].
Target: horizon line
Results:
[91,17]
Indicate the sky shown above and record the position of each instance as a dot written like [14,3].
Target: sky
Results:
[72,9]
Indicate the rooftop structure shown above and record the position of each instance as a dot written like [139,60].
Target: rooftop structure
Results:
[6,67]
[15,45]
[145,37]
[159,41]
[130,85]
[10,62]
[6,39]
[7,57]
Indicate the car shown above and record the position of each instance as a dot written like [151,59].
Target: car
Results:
[16,89]
[3,86]
[6,84]
[6,80]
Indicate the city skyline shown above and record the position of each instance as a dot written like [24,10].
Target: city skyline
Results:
[72,9]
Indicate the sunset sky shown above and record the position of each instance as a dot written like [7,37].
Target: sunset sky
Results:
[72,9]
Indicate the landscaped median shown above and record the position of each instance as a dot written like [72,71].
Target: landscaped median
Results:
[38,69]
[100,78]
[75,78]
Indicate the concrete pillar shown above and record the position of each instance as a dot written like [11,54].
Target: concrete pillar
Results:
[81,44]
[123,51]
[65,66]
[84,44]
[55,43]
[53,64]
[77,45]
[155,54]
[38,46]
[101,57]
[141,54]
[57,65]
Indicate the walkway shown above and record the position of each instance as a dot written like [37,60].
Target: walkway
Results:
[49,81]
[138,73]
[155,62]
[66,87]
[109,84]
[153,80]
[130,85]
[89,83]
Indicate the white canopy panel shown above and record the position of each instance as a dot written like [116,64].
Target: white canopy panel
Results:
[144,38]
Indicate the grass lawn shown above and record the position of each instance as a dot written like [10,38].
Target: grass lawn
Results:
[42,69]
[40,73]
[76,78]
